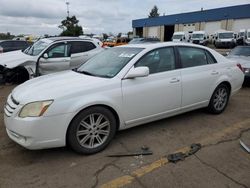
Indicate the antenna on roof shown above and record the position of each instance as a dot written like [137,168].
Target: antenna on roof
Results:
[67,4]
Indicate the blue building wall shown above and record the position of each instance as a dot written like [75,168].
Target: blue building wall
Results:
[233,12]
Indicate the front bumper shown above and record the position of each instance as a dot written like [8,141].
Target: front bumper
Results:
[38,132]
[225,44]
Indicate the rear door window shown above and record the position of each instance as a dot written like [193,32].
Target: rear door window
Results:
[192,57]
[81,46]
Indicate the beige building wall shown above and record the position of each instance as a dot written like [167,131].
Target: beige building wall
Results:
[230,24]
[134,32]
[223,24]
[162,31]
[202,26]
[145,31]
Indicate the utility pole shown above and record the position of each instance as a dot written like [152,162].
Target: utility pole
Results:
[67,4]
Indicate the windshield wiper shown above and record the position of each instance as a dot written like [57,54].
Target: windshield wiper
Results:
[91,74]
[85,72]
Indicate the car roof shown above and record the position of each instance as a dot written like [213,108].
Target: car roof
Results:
[161,44]
[63,38]
[13,41]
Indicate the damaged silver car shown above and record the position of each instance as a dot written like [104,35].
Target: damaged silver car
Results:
[46,56]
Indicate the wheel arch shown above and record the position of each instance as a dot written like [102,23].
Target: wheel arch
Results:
[111,109]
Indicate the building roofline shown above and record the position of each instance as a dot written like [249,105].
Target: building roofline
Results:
[232,12]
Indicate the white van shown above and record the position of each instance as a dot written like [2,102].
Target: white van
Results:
[247,39]
[225,39]
[179,37]
[241,37]
[199,37]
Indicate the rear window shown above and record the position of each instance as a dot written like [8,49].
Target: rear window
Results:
[81,46]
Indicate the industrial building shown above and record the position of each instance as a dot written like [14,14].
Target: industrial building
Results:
[231,18]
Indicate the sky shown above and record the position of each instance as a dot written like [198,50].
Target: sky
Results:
[39,17]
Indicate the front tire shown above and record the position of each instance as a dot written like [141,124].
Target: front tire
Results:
[91,130]
[219,99]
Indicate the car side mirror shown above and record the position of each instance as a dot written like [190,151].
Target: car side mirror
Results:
[216,37]
[205,38]
[137,72]
[45,56]
[227,53]
[184,38]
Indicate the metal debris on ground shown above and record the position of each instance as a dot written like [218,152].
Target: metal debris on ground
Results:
[247,148]
[180,156]
[143,151]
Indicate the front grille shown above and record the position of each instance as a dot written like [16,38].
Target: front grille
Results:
[196,41]
[10,106]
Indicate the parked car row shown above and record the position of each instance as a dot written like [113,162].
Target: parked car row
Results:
[118,88]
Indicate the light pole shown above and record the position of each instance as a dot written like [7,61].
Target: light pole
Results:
[67,4]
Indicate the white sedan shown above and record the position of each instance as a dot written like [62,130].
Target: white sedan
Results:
[119,88]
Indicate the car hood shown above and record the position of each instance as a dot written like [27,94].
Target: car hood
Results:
[64,84]
[243,60]
[14,58]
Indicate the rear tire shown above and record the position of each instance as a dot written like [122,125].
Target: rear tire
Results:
[219,99]
[91,130]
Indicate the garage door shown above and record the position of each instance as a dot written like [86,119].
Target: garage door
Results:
[189,27]
[241,24]
[212,27]
[153,32]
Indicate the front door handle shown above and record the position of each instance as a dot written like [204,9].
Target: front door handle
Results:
[174,80]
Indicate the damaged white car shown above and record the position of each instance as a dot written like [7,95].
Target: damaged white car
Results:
[46,56]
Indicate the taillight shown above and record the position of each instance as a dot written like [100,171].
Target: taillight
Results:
[240,67]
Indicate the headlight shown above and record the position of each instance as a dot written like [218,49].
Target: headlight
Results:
[35,109]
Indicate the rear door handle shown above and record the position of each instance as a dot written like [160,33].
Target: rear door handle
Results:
[214,73]
[174,80]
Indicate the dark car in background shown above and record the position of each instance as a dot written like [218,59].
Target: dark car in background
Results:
[12,45]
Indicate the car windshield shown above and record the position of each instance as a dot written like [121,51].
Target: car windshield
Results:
[109,62]
[197,36]
[240,51]
[226,35]
[37,47]
[177,36]
[241,34]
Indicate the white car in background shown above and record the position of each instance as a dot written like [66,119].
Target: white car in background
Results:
[47,56]
[119,88]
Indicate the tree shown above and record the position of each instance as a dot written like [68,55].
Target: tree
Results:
[70,27]
[154,12]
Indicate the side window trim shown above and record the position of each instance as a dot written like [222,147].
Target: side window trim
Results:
[211,56]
